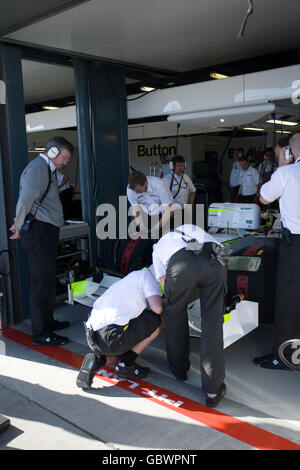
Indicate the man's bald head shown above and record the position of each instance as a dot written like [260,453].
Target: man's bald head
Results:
[294,144]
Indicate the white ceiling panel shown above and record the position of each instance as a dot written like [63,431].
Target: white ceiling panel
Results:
[170,34]
[46,82]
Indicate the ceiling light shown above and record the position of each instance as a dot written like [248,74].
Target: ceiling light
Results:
[256,109]
[284,123]
[222,120]
[39,149]
[50,108]
[218,76]
[253,129]
[283,132]
[147,88]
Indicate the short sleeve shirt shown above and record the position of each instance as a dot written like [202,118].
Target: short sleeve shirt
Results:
[157,195]
[249,180]
[285,184]
[124,300]
[186,187]
[172,242]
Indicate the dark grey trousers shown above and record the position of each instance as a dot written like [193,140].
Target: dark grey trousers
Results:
[191,276]
[40,244]
[287,306]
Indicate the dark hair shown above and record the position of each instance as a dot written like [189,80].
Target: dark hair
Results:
[269,149]
[137,178]
[177,159]
[283,142]
[244,159]
[61,143]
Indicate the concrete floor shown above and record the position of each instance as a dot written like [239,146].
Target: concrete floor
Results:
[48,412]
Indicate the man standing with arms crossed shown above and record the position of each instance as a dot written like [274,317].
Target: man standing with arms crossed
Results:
[39,198]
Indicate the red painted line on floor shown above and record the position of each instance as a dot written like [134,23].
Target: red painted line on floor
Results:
[233,427]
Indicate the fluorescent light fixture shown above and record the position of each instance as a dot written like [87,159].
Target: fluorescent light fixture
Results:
[283,123]
[218,76]
[283,132]
[253,129]
[230,111]
[147,88]
[36,149]
[50,108]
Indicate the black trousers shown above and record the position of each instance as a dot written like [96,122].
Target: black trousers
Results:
[189,277]
[234,190]
[116,340]
[40,244]
[287,303]
[247,199]
[66,197]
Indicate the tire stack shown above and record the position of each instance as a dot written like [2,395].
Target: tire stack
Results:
[208,184]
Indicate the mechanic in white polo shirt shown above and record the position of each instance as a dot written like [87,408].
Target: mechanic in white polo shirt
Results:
[235,172]
[188,265]
[123,322]
[153,197]
[180,184]
[285,184]
[248,181]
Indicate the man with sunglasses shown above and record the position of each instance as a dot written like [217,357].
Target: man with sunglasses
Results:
[39,216]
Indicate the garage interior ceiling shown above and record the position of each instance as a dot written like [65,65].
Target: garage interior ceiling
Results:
[161,43]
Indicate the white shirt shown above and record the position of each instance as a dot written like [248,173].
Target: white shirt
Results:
[124,300]
[235,174]
[48,160]
[157,194]
[165,169]
[285,183]
[60,177]
[249,180]
[186,187]
[172,242]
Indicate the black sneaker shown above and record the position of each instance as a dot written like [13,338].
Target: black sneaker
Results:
[60,325]
[270,361]
[89,367]
[131,372]
[181,376]
[50,340]
[212,402]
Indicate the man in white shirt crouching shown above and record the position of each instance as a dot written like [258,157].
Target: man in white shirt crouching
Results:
[123,322]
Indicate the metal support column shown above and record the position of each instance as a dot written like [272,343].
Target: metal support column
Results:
[103,142]
[14,157]
[85,149]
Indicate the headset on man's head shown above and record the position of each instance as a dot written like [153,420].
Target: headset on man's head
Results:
[176,159]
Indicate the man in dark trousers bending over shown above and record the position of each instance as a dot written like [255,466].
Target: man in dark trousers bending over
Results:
[188,264]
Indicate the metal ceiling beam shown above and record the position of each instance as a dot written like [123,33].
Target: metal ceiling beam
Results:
[34,12]
[28,48]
